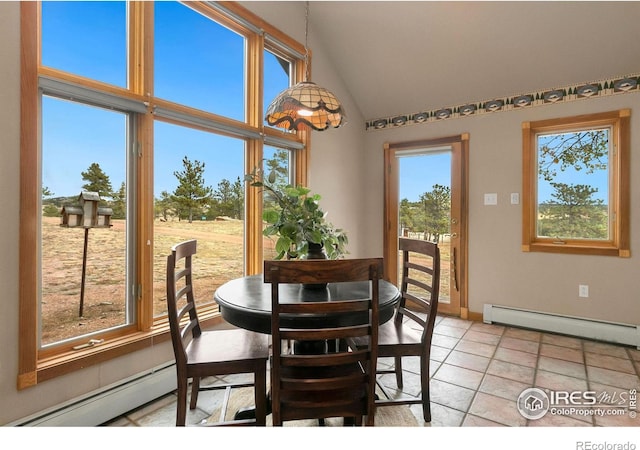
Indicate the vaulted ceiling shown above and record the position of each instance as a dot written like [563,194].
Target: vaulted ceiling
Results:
[401,57]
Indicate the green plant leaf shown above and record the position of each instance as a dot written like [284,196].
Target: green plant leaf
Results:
[295,217]
[270,216]
[271,230]
[314,236]
[283,244]
[289,230]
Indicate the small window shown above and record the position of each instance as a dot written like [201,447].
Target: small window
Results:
[576,184]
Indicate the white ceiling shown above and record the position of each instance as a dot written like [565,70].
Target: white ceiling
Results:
[401,57]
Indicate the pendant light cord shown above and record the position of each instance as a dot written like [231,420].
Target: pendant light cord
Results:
[306,38]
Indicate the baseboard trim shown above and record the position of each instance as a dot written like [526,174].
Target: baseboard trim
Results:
[107,403]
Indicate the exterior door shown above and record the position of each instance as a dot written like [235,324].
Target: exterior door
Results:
[426,198]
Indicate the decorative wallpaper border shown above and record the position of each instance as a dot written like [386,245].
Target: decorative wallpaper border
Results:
[618,85]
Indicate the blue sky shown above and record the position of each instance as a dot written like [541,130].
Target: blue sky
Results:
[418,174]
[187,47]
[598,179]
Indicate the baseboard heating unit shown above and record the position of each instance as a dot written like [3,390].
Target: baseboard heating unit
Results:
[107,403]
[618,333]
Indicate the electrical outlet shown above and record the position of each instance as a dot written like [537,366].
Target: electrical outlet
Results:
[515,198]
[583,290]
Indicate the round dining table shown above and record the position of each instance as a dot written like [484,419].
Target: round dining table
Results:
[246,302]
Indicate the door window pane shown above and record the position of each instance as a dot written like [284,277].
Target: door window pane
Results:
[198,62]
[87,39]
[199,194]
[425,206]
[83,149]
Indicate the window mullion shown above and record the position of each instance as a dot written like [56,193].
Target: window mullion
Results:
[88,95]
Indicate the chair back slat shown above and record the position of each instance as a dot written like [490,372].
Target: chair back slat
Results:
[317,271]
[325,307]
[420,267]
[417,318]
[326,360]
[341,382]
[318,385]
[419,284]
[316,334]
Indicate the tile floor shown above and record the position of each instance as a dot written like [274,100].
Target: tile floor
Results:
[477,373]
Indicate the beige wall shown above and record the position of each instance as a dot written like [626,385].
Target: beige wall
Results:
[499,272]
[346,169]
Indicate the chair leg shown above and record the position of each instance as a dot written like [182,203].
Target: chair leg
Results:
[398,368]
[195,388]
[370,421]
[260,393]
[424,384]
[276,419]
[181,414]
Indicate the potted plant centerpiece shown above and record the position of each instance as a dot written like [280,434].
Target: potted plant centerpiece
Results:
[296,219]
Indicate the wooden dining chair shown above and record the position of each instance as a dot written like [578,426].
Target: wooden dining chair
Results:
[201,353]
[410,331]
[337,383]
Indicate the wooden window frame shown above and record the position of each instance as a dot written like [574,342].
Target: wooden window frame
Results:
[619,194]
[34,365]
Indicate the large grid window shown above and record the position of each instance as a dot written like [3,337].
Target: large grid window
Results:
[576,184]
[155,133]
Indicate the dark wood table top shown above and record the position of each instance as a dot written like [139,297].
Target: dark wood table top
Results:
[246,302]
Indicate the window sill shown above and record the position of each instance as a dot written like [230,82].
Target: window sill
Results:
[568,248]
[68,362]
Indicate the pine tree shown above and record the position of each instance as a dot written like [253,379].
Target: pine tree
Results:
[573,213]
[119,203]
[229,199]
[97,181]
[191,194]
[437,209]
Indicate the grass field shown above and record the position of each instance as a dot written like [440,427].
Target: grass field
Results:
[220,258]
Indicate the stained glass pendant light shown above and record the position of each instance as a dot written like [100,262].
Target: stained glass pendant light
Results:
[305,104]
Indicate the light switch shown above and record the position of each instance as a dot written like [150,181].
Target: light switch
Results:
[491,199]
